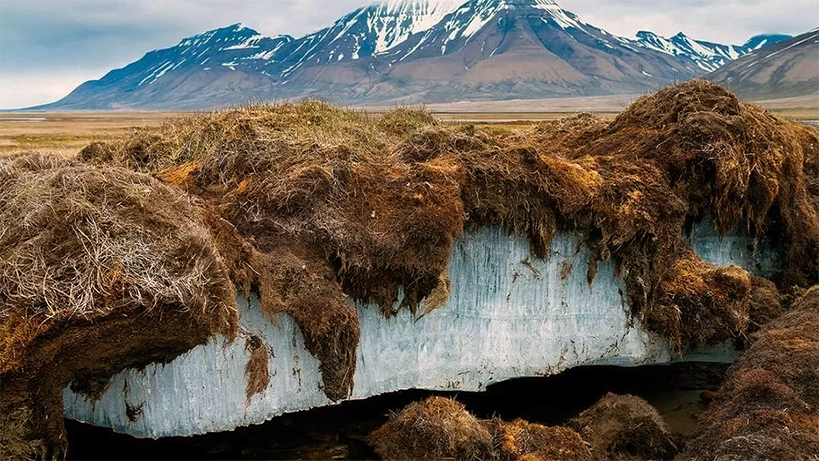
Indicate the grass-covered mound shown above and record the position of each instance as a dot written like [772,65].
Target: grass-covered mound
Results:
[625,427]
[768,408]
[440,428]
[521,440]
[436,428]
[100,269]
[332,202]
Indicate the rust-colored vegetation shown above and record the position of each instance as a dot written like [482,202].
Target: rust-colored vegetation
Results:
[436,428]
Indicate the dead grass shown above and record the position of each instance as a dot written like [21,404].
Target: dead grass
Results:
[434,429]
[520,440]
[768,408]
[16,441]
[440,428]
[99,268]
[625,427]
[256,370]
[66,134]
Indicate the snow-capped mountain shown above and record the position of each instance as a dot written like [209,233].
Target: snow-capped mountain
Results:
[786,69]
[409,51]
[369,31]
[232,46]
[705,55]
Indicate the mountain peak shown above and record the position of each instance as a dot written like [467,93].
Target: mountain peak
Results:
[232,31]
[646,33]
[758,41]
[528,2]
[455,4]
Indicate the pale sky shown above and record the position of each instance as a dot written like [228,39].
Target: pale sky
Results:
[49,47]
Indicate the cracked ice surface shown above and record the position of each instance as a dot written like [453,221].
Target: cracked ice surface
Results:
[509,315]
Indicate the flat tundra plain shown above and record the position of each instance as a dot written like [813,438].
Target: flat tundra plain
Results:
[67,133]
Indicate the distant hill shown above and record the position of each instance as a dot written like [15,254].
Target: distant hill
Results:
[409,51]
[785,69]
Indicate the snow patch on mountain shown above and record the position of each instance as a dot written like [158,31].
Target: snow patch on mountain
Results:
[561,17]
[250,42]
[707,56]
[393,22]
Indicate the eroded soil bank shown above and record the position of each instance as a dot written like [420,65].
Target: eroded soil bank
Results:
[340,432]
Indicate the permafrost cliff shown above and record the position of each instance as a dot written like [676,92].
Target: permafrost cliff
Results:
[509,315]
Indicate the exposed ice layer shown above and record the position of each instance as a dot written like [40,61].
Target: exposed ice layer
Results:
[759,257]
[509,315]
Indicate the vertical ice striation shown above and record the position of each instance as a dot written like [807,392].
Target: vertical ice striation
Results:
[759,257]
[509,315]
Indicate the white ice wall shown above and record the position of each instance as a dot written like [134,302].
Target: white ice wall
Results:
[509,315]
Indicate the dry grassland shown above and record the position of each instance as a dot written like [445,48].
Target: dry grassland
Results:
[66,134]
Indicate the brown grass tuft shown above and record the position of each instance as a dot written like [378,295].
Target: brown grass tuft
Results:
[520,440]
[625,427]
[434,429]
[17,439]
[100,269]
[256,370]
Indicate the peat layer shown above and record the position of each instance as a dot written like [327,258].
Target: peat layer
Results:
[308,204]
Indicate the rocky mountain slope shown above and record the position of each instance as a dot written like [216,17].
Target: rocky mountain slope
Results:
[786,69]
[408,51]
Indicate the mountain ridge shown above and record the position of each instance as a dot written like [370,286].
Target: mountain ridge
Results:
[783,70]
[407,52]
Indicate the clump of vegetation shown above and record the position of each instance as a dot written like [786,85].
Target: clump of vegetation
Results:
[768,407]
[100,269]
[328,208]
[521,440]
[625,427]
[440,428]
[435,429]
[257,373]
